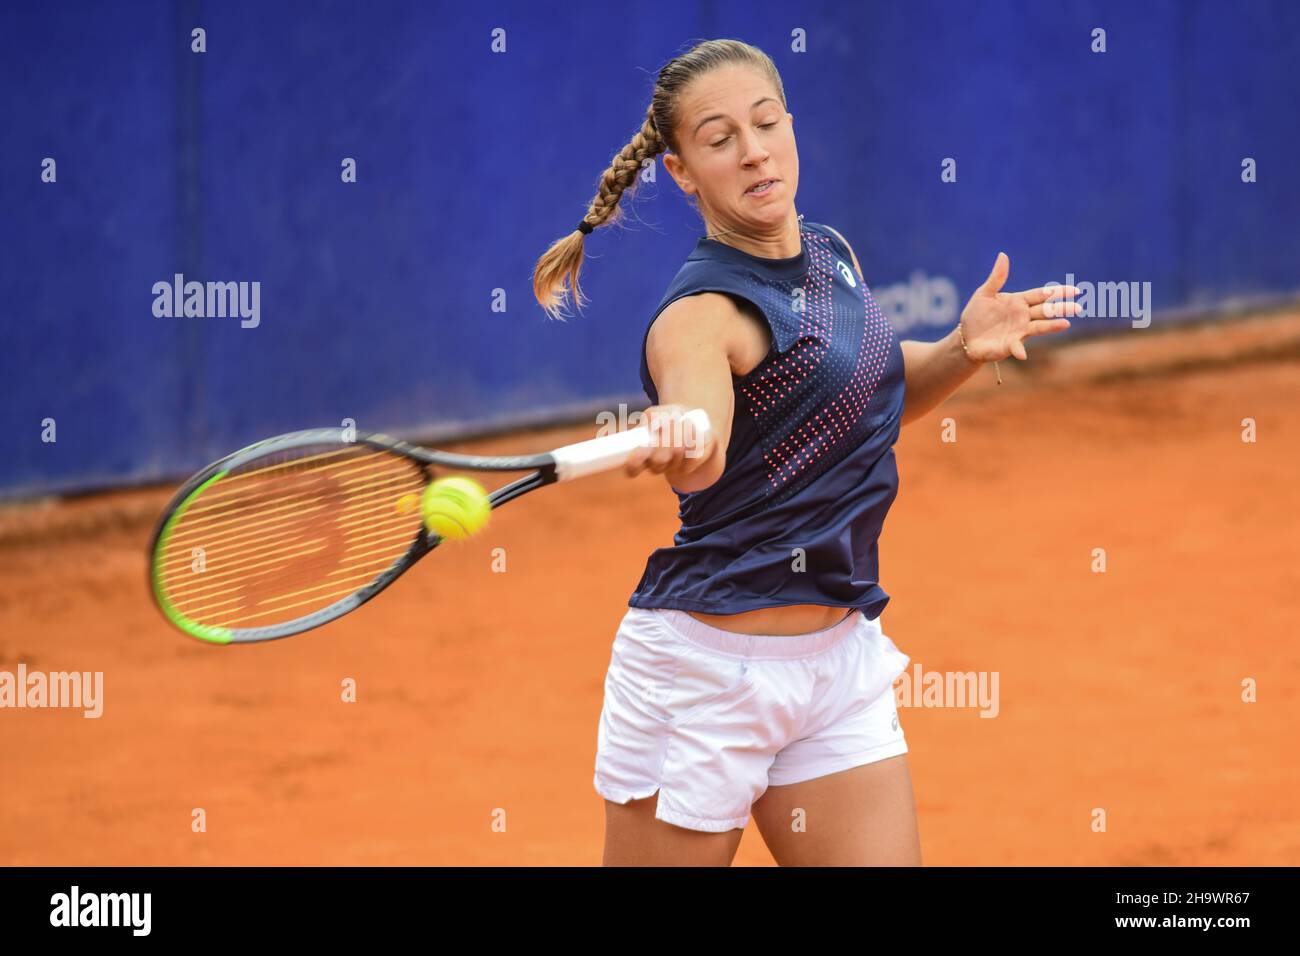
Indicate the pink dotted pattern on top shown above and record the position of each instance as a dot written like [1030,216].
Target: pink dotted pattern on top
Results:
[810,404]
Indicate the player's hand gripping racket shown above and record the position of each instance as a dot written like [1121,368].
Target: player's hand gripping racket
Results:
[295,531]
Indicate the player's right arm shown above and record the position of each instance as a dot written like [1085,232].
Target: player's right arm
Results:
[689,351]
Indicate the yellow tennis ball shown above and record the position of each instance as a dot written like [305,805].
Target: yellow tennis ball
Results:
[455,507]
[407,503]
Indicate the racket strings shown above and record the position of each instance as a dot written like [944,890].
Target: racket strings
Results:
[289,534]
[245,563]
[275,525]
[233,498]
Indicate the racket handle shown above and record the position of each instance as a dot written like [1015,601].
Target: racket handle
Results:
[610,451]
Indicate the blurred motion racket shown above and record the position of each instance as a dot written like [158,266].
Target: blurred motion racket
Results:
[295,531]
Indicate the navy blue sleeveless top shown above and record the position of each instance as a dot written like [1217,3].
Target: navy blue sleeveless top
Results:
[810,471]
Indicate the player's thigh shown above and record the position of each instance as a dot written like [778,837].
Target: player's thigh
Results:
[863,816]
[635,837]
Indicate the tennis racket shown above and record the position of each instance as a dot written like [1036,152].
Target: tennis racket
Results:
[295,531]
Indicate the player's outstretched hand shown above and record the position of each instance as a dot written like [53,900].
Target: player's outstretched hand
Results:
[996,323]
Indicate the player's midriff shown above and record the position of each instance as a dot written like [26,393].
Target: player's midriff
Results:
[783,621]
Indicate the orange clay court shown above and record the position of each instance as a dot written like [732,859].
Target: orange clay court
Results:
[472,739]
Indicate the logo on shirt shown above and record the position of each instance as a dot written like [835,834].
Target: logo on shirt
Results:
[847,273]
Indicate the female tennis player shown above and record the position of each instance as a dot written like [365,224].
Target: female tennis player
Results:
[750,674]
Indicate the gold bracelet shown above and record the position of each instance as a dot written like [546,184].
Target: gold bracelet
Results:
[962,335]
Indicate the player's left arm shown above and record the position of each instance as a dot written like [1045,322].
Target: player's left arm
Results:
[995,324]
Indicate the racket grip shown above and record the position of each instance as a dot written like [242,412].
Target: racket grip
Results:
[610,451]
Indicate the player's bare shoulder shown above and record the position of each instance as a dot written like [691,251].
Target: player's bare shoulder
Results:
[711,320]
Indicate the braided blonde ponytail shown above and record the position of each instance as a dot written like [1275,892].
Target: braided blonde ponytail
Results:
[562,262]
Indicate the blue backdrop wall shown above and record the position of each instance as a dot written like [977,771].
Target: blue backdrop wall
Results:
[377,297]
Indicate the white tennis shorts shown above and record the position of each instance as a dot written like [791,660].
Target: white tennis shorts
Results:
[711,718]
